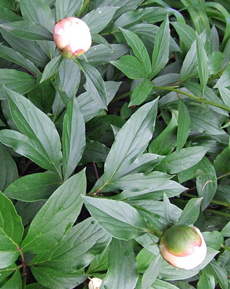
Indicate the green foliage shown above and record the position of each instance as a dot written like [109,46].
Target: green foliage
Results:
[99,155]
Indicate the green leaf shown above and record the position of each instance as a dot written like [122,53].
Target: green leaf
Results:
[76,249]
[67,8]
[165,142]
[15,281]
[214,239]
[8,169]
[131,141]
[119,219]
[94,83]
[141,92]
[187,33]
[73,138]
[160,284]
[206,183]
[38,127]
[184,125]
[57,215]
[51,278]
[33,187]
[130,66]
[122,271]
[15,57]
[202,61]
[151,273]
[138,48]
[11,232]
[27,30]
[190,212]
[182,160]
[189,67]
[99,18]
[206,281]
[7,4]
[51,68]
[68,77]
[38,12]
[225,92]
[16,80]
[219,273]
[160,54]
[221,162]
[43,95]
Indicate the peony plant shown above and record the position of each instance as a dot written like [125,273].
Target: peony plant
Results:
[183,246]
[72,37]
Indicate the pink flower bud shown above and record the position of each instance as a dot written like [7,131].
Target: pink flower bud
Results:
[72,37]
[94,283]
[183,246]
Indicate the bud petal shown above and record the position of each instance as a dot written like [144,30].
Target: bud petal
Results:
[72,37]
[94,283]
[183,246]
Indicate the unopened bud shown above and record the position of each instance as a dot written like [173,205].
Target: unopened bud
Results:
[183,246]
[94,283]
[72,37]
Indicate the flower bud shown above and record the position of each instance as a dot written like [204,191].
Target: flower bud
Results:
[72,37]
[94,283]
[183,246]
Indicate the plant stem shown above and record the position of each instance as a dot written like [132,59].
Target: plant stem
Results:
[220,213]
[224,204]
[198,99]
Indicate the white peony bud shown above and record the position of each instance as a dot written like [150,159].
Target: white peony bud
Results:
[72,37]
[94,283]
[183,246]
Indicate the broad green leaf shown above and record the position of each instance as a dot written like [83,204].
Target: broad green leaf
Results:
[94,83]
[94,152]
[221,162]
[190,212]
[138,48]
[25,146]
[16,80]
[187,33]
[103,54]
[189,67]
[76,249]
[57,215]
[183,125]
[214,239]
[7,15]
[160,54]
[99,18]
[51,278]
[33,187]
[206,182]
[206,281]
[219,273]
[225,95]
[37,126]
[151,273]
[117,218]
[122,272]
[131,141]
[7,4]
[68,77]
[11,232]
[224,80]
[226,230]
[137,184]
[202,62]
[165,142]
[38,12]
[43,95]
[130,66]
[141,92]
[51,68]
[73,138]
[182,160]
[15,281]
[67,8]
[8,169]
[27,30]
[160,284]
[15,57]
[99,263]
